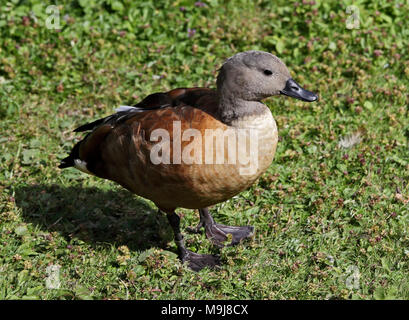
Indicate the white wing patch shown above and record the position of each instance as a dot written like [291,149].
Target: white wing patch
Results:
[81,165]
[124,108]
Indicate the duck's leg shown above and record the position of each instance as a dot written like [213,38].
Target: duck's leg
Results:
[195,261]
[219,233]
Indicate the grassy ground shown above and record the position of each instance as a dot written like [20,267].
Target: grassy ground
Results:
[332,219]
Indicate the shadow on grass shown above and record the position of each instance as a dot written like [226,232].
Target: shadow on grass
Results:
[94,215]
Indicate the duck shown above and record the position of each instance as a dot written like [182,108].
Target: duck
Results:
[193,147]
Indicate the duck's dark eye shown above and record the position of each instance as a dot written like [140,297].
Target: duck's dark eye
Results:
[268,72]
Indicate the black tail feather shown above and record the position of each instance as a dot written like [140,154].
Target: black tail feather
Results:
[66,163]
[69,161]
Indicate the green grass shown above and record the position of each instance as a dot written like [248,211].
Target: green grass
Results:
[331,222]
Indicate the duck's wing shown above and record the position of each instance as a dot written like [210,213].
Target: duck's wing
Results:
[146,114]
[204,99]
[201,98]
[152,102]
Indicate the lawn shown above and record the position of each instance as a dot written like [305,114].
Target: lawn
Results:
[331,213]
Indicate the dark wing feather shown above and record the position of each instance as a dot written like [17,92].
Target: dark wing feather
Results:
[201,98]
[118,117]
[152,102]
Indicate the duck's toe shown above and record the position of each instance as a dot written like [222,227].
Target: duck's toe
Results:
[219,234]
[197,261]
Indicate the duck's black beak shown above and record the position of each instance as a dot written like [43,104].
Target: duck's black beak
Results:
[293,89]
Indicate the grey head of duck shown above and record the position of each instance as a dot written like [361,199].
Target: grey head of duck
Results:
[249,77]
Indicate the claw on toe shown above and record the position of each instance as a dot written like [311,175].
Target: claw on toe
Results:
[197,261]
[222,235]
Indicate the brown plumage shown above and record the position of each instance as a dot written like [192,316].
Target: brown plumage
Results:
[122,147]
